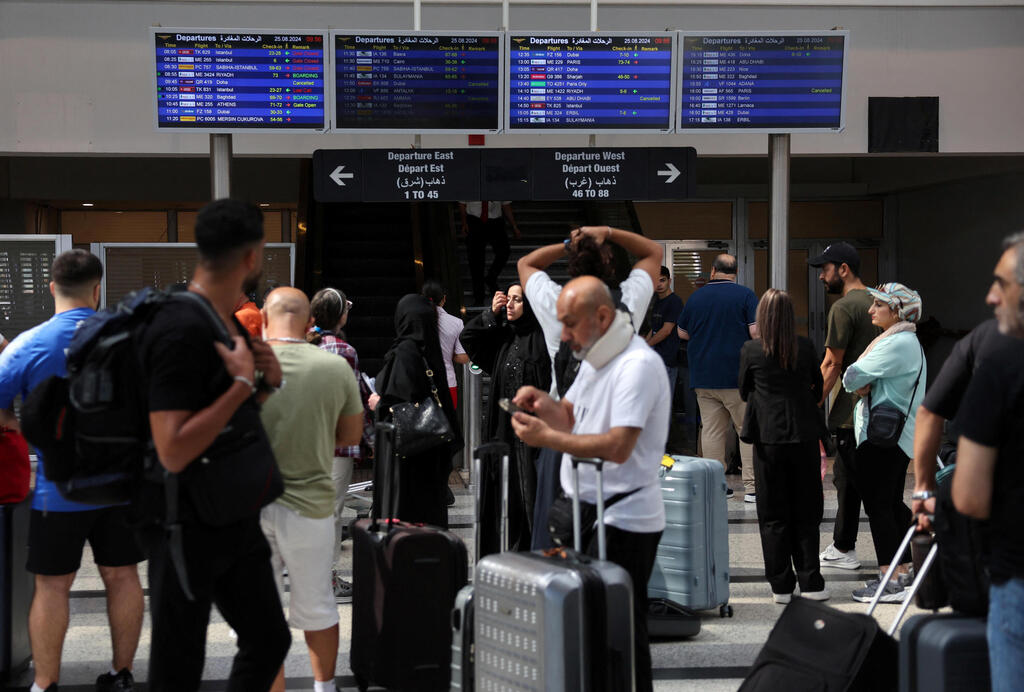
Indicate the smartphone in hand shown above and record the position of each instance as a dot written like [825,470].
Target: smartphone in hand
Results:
[506,405]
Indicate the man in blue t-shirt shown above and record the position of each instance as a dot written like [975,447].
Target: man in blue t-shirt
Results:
[717,320]
[58,528]
[664,339]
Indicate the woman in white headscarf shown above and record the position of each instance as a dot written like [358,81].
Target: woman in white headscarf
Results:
[890,372]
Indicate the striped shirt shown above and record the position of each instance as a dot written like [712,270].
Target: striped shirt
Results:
[333,344]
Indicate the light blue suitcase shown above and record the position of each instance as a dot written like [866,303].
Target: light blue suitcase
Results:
[692,565]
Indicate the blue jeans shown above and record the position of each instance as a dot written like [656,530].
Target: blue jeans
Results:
[1006,635]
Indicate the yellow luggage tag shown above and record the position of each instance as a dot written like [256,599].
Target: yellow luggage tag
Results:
[667,461]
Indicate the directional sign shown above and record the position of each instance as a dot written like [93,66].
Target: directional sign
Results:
[337,175]
[421,175]
[613,174]
[446,175]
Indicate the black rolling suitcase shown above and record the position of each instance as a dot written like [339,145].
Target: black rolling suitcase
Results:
[815,647]
[944,653]
[405,580]
[16,589]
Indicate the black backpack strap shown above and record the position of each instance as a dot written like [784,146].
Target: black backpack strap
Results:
[211,315]
[174,533]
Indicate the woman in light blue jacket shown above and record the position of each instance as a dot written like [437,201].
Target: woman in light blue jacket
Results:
[892,371]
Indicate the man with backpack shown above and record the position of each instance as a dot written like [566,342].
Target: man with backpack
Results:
[59,528]
[204,381]
[318,410]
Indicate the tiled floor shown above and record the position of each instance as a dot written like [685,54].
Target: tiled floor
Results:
[714,661]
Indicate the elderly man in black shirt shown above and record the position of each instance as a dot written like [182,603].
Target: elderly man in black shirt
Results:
[989,479]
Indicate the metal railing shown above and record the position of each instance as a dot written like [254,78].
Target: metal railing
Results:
[472,414]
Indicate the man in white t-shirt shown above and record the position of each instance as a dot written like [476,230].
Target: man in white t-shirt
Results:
[589,253]
[617,409]
[542,292]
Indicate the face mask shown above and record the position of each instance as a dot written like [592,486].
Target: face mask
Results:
[612,342]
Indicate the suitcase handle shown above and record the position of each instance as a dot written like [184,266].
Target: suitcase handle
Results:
[383,476]
[495,447]
[577,533]
[918,578]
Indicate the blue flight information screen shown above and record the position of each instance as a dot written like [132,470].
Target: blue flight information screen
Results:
[763,82]
[417,82]
[590,82]
[238,80]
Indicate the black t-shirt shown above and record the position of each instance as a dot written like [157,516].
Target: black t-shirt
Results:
[946,392]
[184,371]
[991,415]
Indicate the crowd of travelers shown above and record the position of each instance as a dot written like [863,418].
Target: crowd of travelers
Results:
[585,382]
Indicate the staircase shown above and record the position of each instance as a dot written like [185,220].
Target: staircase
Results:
[368,254]
[543,223]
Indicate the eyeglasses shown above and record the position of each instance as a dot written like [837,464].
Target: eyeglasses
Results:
[348,305]
[515,299]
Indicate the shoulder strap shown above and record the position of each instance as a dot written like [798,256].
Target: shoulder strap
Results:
[917,382]
[204,307]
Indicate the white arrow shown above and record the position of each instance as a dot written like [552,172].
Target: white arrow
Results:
[672,173]
[337,175]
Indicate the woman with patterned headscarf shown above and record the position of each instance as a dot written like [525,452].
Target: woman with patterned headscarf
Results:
[892,371]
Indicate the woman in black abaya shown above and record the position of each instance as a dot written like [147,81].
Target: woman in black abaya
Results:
[422,479]
[508,344]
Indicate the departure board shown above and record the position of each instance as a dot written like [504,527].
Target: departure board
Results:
[763,82]
[230,80]
[607,82]
[420,82]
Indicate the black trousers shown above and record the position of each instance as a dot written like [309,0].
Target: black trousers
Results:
[549,464]
[635,553]
[881,480]
[844,534]
[482,233]
[787,479]
[229,568]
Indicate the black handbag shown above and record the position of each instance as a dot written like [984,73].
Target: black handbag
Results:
[560,522]
[885,422]
[420,425]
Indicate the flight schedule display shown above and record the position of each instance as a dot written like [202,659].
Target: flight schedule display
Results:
[421,82]
[763,82]
[224,81]
[607,82]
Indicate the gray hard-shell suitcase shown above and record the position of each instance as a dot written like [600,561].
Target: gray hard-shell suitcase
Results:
[553,623]
[944,653]
[463,654]
[692,564]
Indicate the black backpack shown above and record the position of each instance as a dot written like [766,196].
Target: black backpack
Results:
[92,426]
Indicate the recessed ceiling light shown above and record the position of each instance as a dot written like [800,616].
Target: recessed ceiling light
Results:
[86,204]
[264,204]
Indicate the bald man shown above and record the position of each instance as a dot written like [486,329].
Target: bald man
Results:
[717,320]
[617,409]
[317,409]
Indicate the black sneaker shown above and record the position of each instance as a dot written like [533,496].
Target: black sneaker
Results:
[728,493]
[122,682]
[451,497]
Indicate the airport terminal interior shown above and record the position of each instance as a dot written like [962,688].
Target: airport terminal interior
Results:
[113,134]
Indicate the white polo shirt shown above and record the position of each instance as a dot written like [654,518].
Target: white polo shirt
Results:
[630,391]
[449,328]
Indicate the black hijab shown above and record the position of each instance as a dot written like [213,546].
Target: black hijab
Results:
[527,322]
[403,377]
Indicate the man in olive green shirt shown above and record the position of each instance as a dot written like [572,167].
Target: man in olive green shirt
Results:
[849,333]
[317,408]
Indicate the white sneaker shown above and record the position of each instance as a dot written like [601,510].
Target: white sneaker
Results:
[833,557]
[782,598]
[822,595]
[750,497]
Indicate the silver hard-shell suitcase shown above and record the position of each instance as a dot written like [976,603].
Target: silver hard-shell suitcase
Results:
[692,563]
[555,622]
[463,653]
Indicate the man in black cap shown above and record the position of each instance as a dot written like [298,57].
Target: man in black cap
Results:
[849,333]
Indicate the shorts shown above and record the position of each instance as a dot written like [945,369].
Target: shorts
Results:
[306,547]
[56,539]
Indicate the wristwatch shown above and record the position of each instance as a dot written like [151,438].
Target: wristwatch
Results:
[922,495]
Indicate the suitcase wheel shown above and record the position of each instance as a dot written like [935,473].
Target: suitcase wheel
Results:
[725,611]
